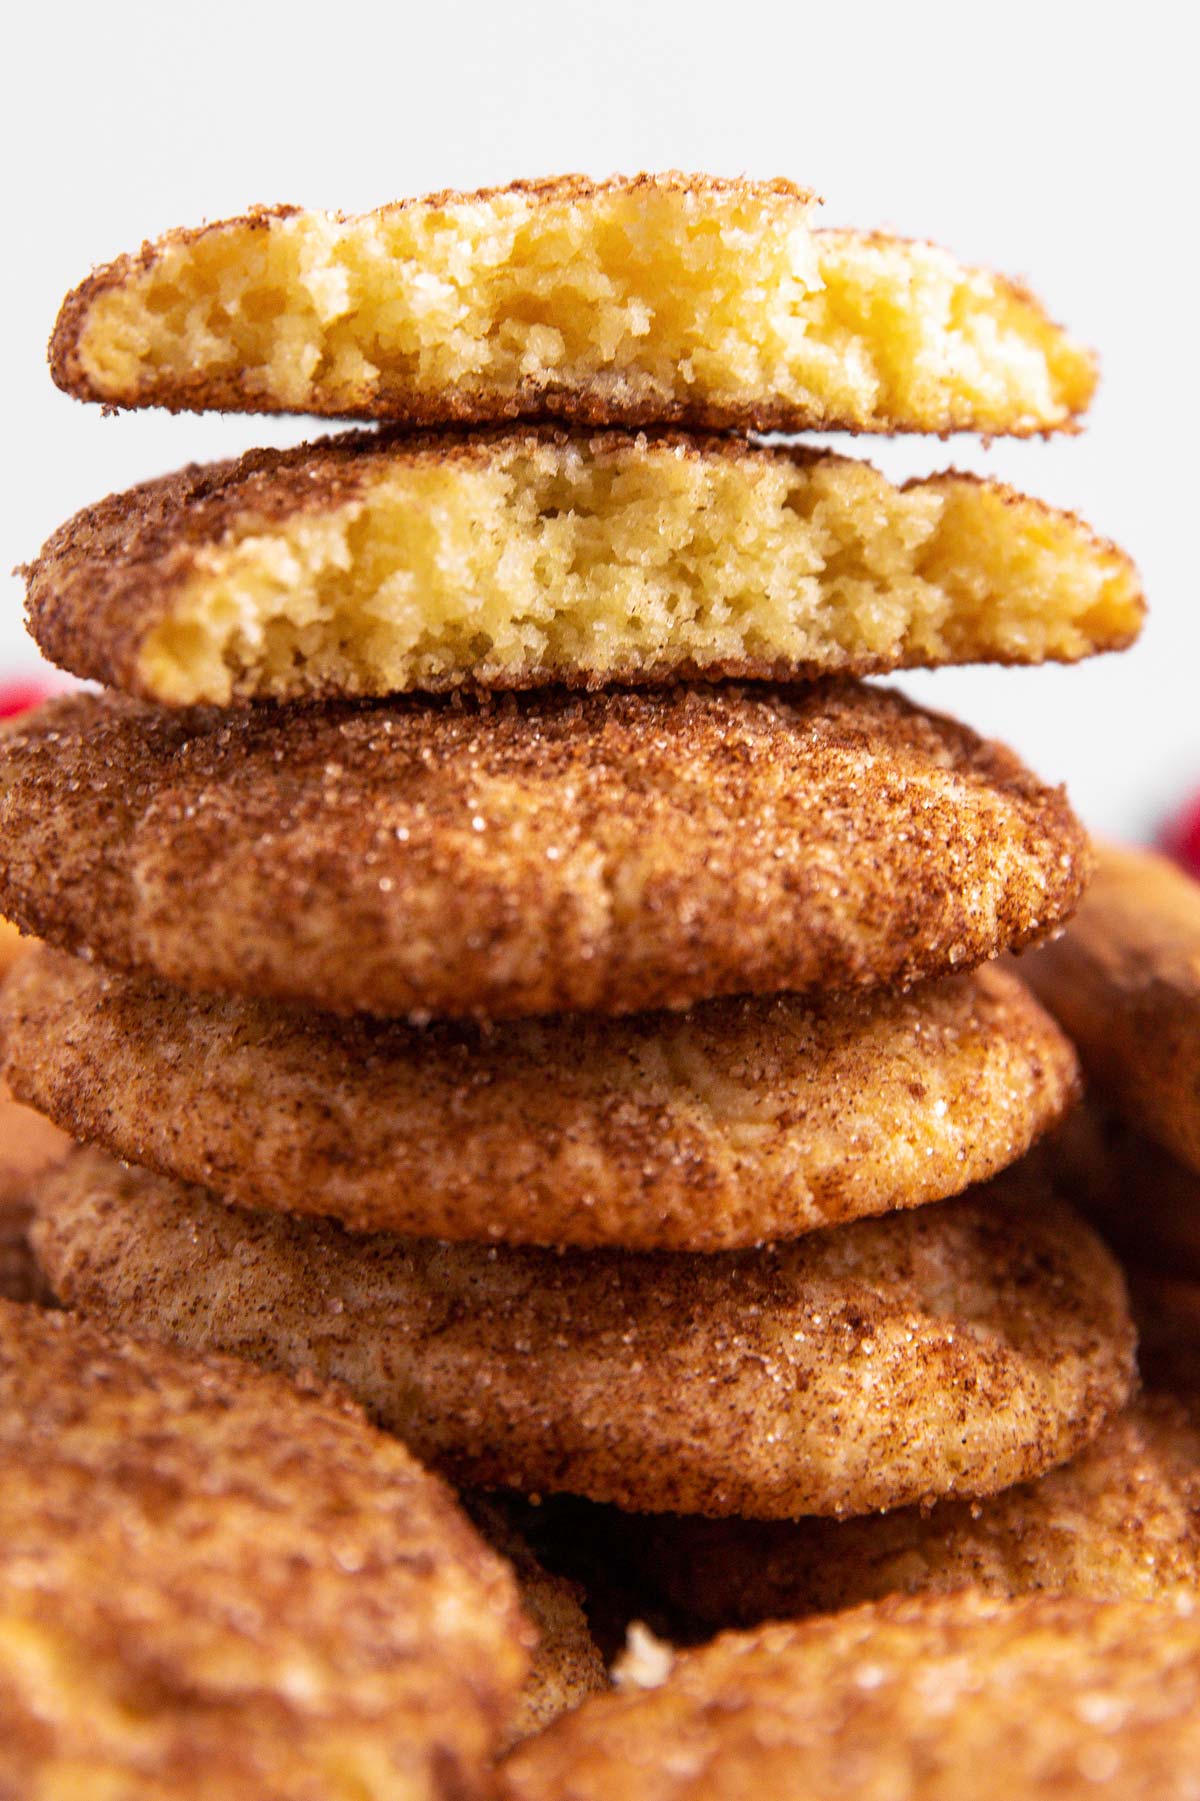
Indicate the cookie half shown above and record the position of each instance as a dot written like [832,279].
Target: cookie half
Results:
[955,1349]
[949,1698]
[213,1582]
[540,853]
[737,1122]
[374,564]
[662,299]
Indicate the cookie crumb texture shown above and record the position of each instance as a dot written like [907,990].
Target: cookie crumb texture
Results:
[538,853]
[215,1583]
[669,298]
[371,565]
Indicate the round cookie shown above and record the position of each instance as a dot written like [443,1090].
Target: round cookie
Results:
[540,853]
[1121,1520]
[213,1582]
[940,1698]
[738,1122]
[954,1349]
[662,297]
[376,563]
[567,1665]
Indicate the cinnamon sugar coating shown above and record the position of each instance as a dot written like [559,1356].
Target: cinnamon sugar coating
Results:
[949,1698]
[1122,1519]
[954,1349]
[612,852]
[215,1583]
[740,1121]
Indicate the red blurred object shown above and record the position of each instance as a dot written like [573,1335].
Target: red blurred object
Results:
[1181,839]
[18,697]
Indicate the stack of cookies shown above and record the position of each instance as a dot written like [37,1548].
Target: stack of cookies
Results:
[501,956]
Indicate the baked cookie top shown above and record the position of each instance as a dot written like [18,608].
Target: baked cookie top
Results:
[1122,1519]
[212,1581]
[534,853]
[734,1123]
[660,299]
[953,1349]
[939,1698]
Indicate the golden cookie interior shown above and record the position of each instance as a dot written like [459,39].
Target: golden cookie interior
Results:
[371,565]
[662,299]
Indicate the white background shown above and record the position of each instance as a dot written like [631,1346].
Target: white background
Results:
[1056,141]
